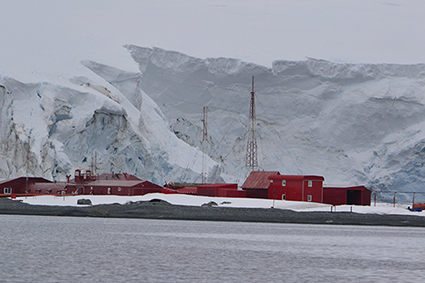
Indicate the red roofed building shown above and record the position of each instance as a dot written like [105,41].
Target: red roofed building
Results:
[84,183]
[24,186]
[272,185]
[257,184]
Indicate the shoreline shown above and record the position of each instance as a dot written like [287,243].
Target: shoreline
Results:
[159,209]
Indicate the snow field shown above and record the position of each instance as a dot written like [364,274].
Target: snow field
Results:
[180,199]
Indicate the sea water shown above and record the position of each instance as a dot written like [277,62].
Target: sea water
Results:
[66,249]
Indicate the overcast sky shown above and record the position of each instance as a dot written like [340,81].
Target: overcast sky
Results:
[45,38]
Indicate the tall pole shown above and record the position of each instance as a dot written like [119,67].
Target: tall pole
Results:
[204,142]
[251,159]
[27,164]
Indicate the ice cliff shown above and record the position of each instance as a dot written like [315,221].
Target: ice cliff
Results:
[351,123]
[49,130]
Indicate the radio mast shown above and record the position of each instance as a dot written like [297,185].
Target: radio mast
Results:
[251,159]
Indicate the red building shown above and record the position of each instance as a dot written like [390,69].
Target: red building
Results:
[84,183]
[296,187]
[257,184]
[272,185]
[211,190]
[21,185]
[337,195]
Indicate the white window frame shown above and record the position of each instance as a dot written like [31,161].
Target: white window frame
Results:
[283,183]
[309,198]
[7,191]
[283,197]
[310,183]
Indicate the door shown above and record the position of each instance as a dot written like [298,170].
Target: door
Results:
[354,197]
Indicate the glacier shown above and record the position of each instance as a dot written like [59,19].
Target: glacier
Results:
[351,123]
[49,130]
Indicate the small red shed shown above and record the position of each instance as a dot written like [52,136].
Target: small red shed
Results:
[257,184]
[296,187]
[338,195]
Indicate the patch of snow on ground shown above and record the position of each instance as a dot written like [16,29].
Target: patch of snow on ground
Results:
[180,199]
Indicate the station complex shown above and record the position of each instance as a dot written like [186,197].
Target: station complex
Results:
[259,184]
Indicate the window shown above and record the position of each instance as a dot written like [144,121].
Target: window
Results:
[109,191]
[119,189]
[38,191]
[309,198]
[48,191]
[283,183]
[310,183]
[7,191]
[283,197]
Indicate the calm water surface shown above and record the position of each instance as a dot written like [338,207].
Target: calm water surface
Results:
[65,249]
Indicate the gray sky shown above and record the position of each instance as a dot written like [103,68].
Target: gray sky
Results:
[47,38]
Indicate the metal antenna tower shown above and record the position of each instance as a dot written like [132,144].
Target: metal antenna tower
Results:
[27,163]
[251,160]
[93,166]
[204,142]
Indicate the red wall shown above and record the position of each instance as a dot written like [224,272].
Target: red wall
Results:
[360,195]
[257,193]
[236,193]
[334,196]
[210,192]
[367,194]
[316,191]
[220,190]
[296,190]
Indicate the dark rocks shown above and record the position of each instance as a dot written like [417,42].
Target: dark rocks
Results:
[84,201]
[156,201]
[211,203]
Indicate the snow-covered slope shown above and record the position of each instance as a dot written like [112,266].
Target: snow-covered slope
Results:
[351,123]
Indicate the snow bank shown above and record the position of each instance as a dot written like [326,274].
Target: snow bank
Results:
[180,199]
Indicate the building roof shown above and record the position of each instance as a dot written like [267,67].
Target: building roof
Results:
[114,183]
[23,179]
[48,186]
[219,185]
[296,177]
[188,190]
[258,180]
[358,187]
[118,176]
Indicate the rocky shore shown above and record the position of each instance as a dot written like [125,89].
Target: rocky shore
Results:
[159,209]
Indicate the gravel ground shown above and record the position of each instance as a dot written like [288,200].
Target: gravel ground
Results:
[156,209]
